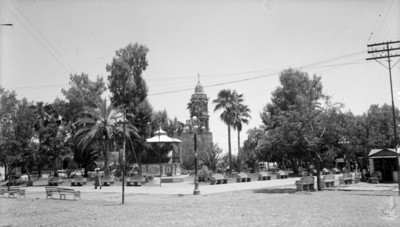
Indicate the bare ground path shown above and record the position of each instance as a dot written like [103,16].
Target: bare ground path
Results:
[279,206]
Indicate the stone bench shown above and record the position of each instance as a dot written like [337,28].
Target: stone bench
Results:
[78,181]
[357,177]
[346,178]
[305,184]
[329,180]
[282,174]
[242,177]
[135,181]
[55,181]
[107,181]
[264,176]
[218,179]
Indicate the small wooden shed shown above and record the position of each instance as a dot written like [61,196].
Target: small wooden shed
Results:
[384,161]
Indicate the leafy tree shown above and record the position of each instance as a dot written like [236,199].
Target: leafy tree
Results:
[23,144]
[253,146]
[82,92]
[281,116]
[8,107]
[227,101]
[379,120]
[129,89]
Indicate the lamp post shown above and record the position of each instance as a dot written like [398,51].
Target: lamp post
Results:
[343,142]
[195,125]
[123,122]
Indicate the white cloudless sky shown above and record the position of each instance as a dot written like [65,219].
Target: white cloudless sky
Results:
[238,44]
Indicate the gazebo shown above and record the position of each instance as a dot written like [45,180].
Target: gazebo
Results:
[384,161]
[160,138]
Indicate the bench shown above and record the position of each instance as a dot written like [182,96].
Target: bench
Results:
[135,181]
[218,179]
[375,178]
[107,181]
[346,178]
[50,190]
[357,177]
[78,181]
[329,180]
[63,192]
[55,181]
[264,176]
[281,174]
[305,183]
[13,190]
[69,191]
[242,177]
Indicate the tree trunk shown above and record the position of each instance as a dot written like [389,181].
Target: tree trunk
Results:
[55,161]
[39,171]
[318,166]
[7,170]
[229,149]
[294,166]
[105,153]
[239,153]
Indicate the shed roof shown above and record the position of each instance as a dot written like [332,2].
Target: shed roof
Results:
[383,153]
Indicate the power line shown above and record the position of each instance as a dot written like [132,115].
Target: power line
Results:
[64,65]
[308,66]
[43,37]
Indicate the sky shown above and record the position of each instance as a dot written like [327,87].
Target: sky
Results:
[237,44]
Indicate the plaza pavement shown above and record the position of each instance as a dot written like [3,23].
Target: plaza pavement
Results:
[187,187]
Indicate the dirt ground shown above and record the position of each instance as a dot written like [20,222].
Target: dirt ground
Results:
[266,207]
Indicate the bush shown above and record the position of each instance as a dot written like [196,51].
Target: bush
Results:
[204,174]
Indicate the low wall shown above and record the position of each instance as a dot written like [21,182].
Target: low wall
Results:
[167,169]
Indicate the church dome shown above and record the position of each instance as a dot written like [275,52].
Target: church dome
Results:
[199,89]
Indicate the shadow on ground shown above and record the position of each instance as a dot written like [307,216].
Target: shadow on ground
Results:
[276,191]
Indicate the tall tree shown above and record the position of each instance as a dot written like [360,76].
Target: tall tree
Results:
[8,107]
[227,101]
[129,89]
[242,117]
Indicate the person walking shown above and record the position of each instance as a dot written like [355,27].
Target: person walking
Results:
[97,179]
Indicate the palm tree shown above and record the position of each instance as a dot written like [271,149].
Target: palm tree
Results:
[242,116]
[100,126]
[228,100]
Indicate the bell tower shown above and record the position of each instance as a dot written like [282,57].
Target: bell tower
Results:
[198,105]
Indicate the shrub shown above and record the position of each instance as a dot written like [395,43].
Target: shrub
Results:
[204,174]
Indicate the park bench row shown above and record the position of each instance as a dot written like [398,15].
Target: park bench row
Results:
[13,191]
[243,177]
[306,183]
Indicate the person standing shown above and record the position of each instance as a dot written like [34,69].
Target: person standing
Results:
[97,179]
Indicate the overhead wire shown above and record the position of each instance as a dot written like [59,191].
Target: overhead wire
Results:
[43,37]
[247,75]
[42,43]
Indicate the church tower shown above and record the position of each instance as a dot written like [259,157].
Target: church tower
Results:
[198,105]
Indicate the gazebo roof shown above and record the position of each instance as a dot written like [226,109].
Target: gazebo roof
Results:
[383,153]
[160,136]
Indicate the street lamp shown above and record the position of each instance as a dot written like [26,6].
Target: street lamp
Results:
[123,122]
[195,125]
[343,142]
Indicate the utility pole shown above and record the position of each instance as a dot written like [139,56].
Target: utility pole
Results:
[386,50]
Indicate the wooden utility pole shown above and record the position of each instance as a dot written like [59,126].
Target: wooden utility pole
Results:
[387,50]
